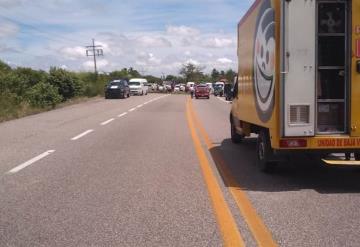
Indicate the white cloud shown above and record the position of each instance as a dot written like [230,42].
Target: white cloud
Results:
[8,29]
[101,64]
[218,42]
[148,41]
[192,61]
[182,31]
[224,60]
[73,53]
[147,59]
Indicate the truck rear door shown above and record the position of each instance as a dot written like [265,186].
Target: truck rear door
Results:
[298,67]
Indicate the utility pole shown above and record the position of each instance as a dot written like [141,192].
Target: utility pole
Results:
[94,51]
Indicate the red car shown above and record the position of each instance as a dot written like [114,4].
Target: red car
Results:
[202,91]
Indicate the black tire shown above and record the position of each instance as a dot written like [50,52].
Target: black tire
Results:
[128,95]
[142,93]
[106,96]
[264,153]
[196,97]
[235,137]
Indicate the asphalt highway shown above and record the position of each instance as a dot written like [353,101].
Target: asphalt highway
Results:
[160,170]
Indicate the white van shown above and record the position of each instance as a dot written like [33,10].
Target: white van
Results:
[138,86]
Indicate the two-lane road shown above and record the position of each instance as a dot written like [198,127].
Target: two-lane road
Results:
[160,170]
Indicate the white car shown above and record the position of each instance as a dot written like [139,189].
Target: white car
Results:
[161,88]
[182,87]
[177,88]
[138,86]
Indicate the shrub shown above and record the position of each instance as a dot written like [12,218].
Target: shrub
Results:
[10,104]
[43,95]
[68,84]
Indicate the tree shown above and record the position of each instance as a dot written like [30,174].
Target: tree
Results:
[133,73]
[191,72]
[229,75]
[152,79]
[31,77]
[4,67]
[68,84]
[215,75]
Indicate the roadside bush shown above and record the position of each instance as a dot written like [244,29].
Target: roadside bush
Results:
[13,83]
[68,84]
[93,84]
[10,104]
[43,95]
[31,77]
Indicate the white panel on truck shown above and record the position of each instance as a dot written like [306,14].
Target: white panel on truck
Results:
[298,67]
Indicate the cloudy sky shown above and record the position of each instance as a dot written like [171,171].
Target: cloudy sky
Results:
[156,37]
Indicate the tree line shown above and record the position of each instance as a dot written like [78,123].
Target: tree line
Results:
[24,90]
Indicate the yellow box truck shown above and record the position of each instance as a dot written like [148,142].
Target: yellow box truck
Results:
[298,84]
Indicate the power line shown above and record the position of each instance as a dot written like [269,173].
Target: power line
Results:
[94,51]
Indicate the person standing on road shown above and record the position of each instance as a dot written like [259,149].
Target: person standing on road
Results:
[192,92]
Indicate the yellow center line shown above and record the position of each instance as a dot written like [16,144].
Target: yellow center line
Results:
[257,227]
[228,228]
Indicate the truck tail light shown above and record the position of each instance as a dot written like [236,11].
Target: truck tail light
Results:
[293,143]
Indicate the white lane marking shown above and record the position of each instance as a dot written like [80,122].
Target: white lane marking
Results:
[81,135]
[30,162]
[139,106]
[107,121]
[123,114]
[132,109]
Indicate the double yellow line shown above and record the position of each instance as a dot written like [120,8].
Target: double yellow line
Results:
[228,228]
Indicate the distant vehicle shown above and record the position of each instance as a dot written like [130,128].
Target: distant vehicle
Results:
[189,86]
[220,83]
[161,88]
[218,90]
[151,87]
[117,89]
[182,87]
[202,91]
[210,85]
[177,88]
[138,86]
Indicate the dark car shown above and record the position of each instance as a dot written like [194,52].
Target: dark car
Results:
[117,89]
[202,91]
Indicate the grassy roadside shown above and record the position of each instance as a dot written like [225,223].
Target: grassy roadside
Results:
[24,109]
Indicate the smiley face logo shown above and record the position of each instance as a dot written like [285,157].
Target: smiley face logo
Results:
[264,61]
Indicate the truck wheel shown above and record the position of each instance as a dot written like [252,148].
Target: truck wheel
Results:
[264,152]
[235,137]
